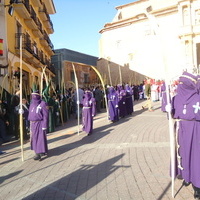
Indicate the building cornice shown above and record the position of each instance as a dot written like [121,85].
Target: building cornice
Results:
[130,4]
[138,18]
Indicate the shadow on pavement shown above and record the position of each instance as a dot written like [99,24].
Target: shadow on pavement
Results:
[164,192]
[7,161]
[3,178]
[97,132]
[78,182]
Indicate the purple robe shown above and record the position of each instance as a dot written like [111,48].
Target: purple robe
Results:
[38,117]
[113,104]
[88,112]
[186,109]
[129,100]
[122,101]
[164,97]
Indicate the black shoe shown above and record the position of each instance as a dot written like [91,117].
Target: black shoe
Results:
[37,157]
[89,133]
[186,183]
[196,192]
[43,154]
[196,195]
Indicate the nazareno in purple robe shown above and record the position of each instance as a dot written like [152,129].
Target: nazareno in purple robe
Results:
[129,100]
[164,97]
[122,101]
[38,117]
[186,110]
[88,111]
[113,104]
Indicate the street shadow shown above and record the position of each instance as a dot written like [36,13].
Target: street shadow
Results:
[164,192]
[3,178]
[7,161]
[85,140]
[98,132]
[77,183]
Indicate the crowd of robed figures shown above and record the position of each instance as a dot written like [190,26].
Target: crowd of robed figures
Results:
[61,108]
[43,114]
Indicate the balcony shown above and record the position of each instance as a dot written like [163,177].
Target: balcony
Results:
[43,42]
[29,51]
[37,33]
[43,13]
[49,26]
[30,23]
[49,50]
[26,46]
[22,9]
[35,61]
[37,3]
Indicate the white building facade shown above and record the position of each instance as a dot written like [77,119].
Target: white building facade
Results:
[156,38]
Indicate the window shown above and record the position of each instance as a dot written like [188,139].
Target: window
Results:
[120,16]
[186,17]
[72,76]
[197,17]
[86,78]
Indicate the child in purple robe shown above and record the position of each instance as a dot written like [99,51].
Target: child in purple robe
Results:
[38,117]
[88,112]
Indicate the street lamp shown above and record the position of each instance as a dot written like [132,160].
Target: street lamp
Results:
[10,5]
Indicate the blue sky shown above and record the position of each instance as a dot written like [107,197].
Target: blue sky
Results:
[77,23]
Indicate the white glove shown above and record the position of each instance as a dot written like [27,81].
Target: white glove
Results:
[21,111]
[168,107]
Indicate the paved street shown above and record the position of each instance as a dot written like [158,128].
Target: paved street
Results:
[126,160]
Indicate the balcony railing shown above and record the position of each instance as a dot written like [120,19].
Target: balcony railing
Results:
[29,50]
[33,14]
[22,8]
[43,13]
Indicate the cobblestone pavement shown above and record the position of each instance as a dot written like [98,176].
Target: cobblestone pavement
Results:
[126,160]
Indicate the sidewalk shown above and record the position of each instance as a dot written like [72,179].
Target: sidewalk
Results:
[126,160]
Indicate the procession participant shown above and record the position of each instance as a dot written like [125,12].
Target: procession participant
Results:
[154,91]
[14,115]
[148,103]
[78,99]
[56,111]
[186,111]
[98,95]
[129,100]
[26,124]
[47,95]
[122,101]
[38,117]
[113,104]
[163,97]
[88,112]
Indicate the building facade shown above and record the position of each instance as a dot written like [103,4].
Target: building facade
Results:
[26,40]
[156,38]
[63,62]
